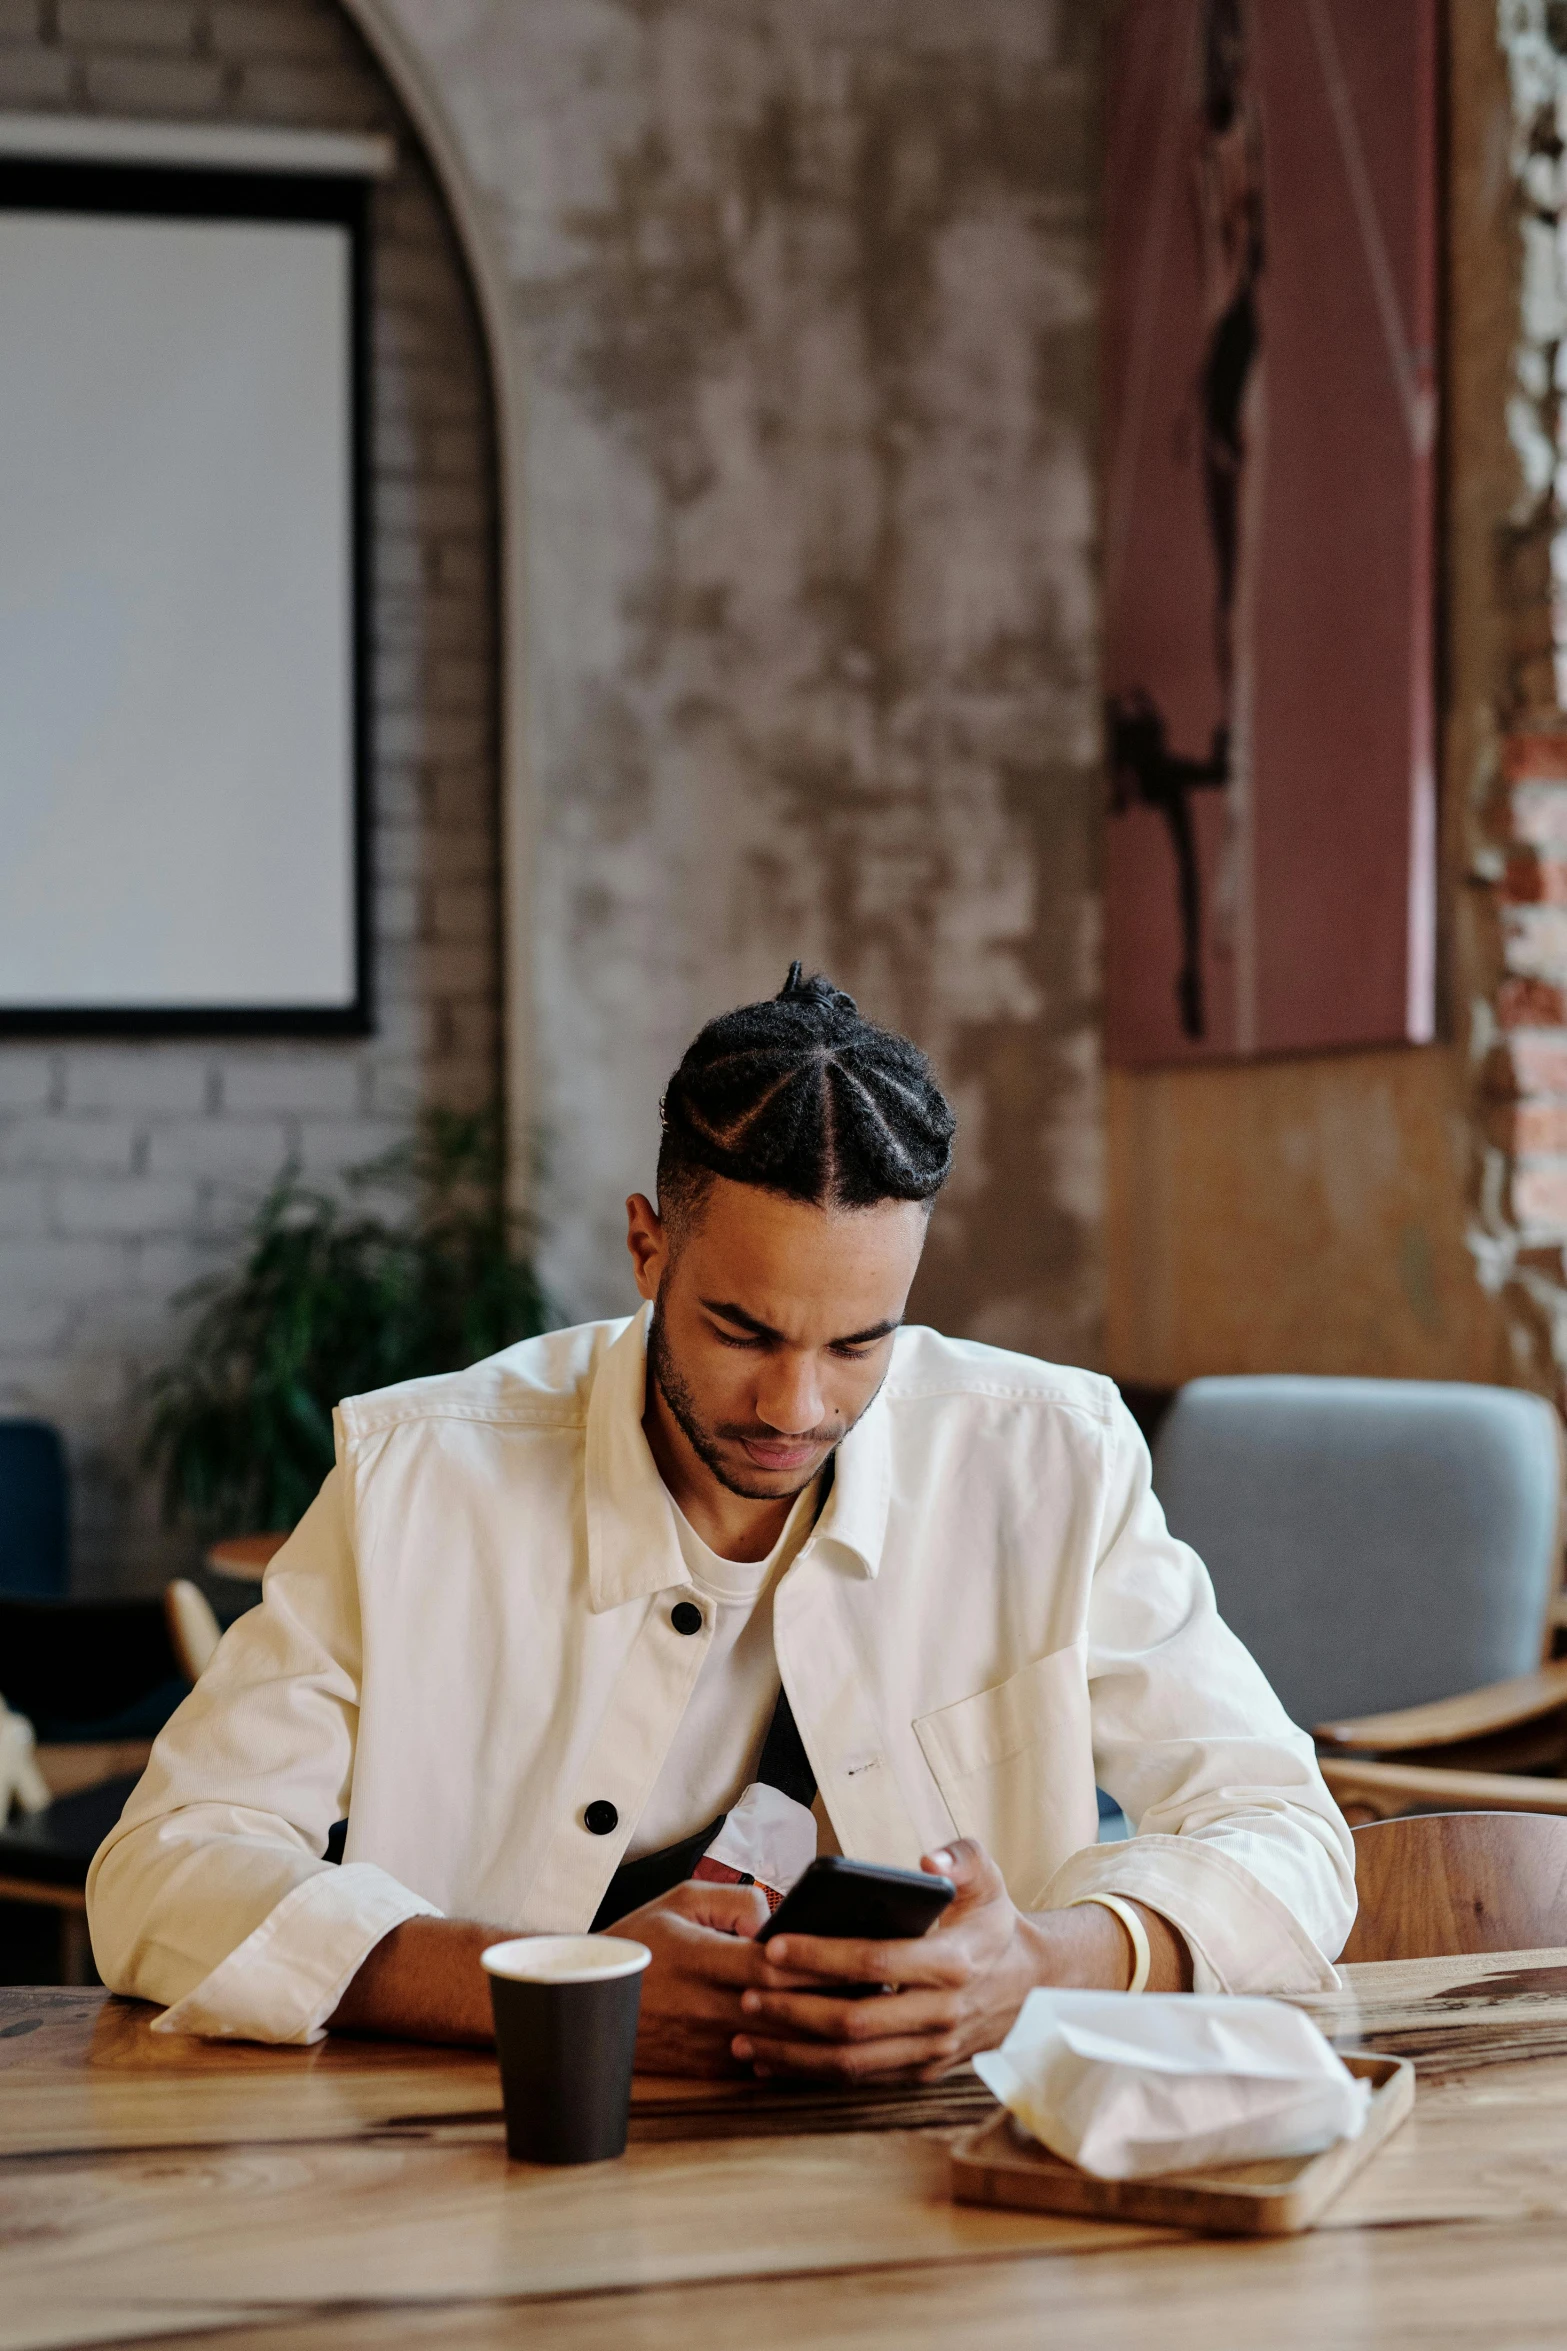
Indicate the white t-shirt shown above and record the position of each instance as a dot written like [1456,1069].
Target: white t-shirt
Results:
[719,1743]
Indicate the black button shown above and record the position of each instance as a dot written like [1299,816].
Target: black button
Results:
[601,1817]
[686,1617]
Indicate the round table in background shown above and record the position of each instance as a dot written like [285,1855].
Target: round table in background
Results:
[244,1557]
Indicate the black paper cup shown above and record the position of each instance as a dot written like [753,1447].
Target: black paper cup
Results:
[566,2011]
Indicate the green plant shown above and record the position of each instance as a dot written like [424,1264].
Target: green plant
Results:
[331,1298]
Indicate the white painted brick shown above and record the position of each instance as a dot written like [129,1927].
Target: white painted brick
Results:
[135,1077]
[398,911]
[251,29]
[165,1267]
[330,1146]
[462,796]
[401,794]
[334,95]
[432,735]
[464,911]
[41,1265]
[26,1078]
[24,1204]
[462,563]
[46,1143]
[240,1149]
[434,506]
[327,1080]
[123,1204]
[154,85]
[455,450]
[475,1035]
[396,450]
[461,682]
[168,25]
[457,970]
[35,77]
[398,560]
[414,372]
[37,1326]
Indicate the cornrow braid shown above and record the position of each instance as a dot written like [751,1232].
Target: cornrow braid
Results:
[800,1095]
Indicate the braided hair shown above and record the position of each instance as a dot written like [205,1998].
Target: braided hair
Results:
[800,1095]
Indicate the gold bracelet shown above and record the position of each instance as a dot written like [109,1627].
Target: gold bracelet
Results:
[1142,1954]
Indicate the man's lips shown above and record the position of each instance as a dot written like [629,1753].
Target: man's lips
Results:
[779,1453]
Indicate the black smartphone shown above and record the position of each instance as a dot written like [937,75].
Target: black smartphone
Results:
[860,1899]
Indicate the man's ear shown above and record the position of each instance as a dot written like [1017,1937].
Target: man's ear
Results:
[648,1243]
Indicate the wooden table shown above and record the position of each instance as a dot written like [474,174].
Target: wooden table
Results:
[358,2194]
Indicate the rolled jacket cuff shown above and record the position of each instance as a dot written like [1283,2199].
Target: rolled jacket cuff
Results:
[1241,1936]
[285,1980]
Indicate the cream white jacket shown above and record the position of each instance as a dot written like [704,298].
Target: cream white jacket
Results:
[467,1641]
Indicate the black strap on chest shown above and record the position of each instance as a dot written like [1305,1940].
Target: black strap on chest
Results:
[784,1765]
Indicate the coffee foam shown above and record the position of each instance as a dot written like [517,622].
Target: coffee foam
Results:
[564,1959]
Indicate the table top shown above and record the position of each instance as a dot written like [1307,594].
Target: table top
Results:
[155,2189]
[246,1557]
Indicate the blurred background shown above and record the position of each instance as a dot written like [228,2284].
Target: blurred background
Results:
[1045,510]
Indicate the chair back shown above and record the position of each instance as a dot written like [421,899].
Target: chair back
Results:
[1375,1543]
[89,1669]
[1446,1883]
[34,1545]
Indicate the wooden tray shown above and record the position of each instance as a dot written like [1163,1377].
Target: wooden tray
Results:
[999,2164]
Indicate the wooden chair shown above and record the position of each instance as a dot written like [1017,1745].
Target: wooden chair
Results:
[1449,1883]
[1390,1552]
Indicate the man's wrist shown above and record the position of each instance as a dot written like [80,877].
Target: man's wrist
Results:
[1086,1948]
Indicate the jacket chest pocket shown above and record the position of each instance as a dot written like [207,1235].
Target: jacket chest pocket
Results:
[1015,1765]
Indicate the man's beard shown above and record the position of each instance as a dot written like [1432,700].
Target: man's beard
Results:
[705,1442]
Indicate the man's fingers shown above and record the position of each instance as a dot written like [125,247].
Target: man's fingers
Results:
[840,1959]
[732,1910]
[820,2017]
[855,2061]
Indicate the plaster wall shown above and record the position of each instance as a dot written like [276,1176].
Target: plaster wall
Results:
[801,303]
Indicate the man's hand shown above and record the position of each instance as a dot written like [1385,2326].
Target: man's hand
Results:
[950,1992]
[704,1958]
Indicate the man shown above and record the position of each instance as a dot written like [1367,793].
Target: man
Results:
[549,1617]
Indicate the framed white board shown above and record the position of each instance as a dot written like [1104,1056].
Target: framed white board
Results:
[183,387]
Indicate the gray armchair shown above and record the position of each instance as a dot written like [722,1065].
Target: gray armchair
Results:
[1390,1552]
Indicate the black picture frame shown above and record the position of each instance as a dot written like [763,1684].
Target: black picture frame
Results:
[200,193]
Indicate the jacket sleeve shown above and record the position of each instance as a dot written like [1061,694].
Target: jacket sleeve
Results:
[1236,1841]
[213,1894]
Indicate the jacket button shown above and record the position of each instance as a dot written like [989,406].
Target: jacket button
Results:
[601,1817]
[686,1617]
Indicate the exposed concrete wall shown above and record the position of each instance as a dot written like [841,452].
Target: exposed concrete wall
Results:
[127,1169]
[1317,1213]
[804,300]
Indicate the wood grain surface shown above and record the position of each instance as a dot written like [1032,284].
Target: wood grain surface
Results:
[154,2189]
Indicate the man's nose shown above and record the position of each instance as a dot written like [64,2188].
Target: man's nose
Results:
[789,1397]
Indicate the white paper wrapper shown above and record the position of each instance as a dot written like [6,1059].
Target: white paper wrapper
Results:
[1127,2088]
[769,1835]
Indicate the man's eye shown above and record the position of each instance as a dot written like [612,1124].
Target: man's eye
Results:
[728,1339]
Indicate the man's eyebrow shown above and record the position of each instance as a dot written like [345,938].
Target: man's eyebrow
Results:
[726,1312]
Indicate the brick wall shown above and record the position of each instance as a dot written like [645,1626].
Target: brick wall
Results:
[126,1170]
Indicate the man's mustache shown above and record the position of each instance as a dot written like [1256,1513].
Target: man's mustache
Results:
[766,1436]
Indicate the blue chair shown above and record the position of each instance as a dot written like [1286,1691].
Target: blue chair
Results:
[1389,1551]
[34,1511]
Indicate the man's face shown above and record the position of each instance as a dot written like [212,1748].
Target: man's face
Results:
[774,1325]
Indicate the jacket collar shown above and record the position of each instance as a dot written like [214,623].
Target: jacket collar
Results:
[633,1550]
